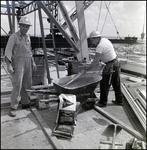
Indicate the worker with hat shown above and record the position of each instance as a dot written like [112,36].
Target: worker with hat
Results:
[20,62]
[110,76]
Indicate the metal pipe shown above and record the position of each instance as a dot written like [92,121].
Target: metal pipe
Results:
[13,16]
[133,102]
[123,125]
[9,16]
[54,46]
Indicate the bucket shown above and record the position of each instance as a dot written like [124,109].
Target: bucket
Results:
[39,76]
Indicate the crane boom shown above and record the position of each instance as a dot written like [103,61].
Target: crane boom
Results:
[73,16]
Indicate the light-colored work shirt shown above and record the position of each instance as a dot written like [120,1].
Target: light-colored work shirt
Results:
[106,49]
[18,46]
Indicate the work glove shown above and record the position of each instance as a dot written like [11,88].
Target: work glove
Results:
[83,71]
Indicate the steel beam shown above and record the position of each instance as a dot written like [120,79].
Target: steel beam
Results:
[73,16]
[44,44]
[84,53]
[58,26]
[68,21]
[32,6]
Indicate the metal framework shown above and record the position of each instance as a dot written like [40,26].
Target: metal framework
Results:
[32,6]
[79,44]
[73,16]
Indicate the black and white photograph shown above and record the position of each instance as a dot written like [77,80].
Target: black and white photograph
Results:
[73,74]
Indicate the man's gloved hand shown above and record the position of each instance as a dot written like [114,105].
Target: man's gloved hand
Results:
[10,69]
[83,71]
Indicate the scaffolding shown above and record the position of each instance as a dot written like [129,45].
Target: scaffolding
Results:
[16,9]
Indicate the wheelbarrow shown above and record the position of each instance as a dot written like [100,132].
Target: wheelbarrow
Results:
[81,84]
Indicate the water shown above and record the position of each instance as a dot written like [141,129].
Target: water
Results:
[134,52]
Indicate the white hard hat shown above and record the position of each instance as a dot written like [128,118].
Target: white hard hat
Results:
[94,34]
[25,20]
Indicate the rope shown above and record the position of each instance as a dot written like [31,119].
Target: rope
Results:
[99,15]
[112,20]
[105,19]
[143,23]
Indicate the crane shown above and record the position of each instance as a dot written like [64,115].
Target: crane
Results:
[50,8]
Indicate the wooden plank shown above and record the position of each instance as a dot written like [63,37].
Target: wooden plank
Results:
[134,79]
[46,129]
[110,142]
[5,101]
[123,125]
[5,91]
[43,92]
[42,86]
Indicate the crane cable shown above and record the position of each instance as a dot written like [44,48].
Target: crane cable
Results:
[143,23]
[112,20]
[99,15]
[105,20]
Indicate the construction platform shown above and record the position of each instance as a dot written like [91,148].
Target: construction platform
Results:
[32,128]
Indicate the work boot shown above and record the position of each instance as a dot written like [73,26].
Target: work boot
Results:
[12,112]
[25,106]
[117,103]
[100,105]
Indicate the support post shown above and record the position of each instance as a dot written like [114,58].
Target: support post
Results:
[13,16]
[9,17]
[82,31]
[54,46]
[44,44]
[34,23]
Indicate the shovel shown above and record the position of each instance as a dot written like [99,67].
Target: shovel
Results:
[115,126]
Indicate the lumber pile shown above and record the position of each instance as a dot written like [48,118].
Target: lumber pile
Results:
[135,94]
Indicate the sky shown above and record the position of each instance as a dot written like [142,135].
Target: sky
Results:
[125,17]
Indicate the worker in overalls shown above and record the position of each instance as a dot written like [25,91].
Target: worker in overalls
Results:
[20,62]
[110,75]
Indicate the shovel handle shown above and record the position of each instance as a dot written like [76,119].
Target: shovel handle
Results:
[72,79]
[114,135]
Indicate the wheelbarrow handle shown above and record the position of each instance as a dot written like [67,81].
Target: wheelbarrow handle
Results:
[75,77]
[43,91]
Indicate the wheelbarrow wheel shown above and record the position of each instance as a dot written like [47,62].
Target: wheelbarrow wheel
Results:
[88,105]
[128,146]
